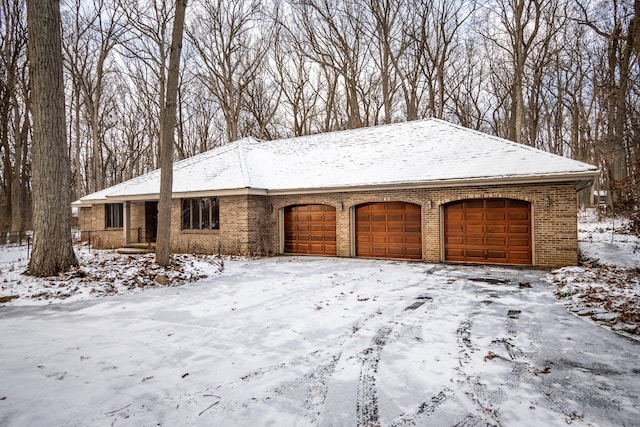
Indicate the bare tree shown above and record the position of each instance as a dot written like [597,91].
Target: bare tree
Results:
[92,32]
[333,35]
[167,137]
[232,48]
[145,46]
[305,66]
[387,31]
[52,248]
[618,23]
[200,115]
[437,34]
[469,103]
[14,116]
[527,28]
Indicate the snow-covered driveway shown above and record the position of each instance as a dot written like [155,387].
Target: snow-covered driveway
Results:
[291,341]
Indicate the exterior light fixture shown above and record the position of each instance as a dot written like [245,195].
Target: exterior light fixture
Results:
[341,206]
[547,201]
[429,204]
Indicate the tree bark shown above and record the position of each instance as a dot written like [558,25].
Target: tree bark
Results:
[167,134]
[52,247]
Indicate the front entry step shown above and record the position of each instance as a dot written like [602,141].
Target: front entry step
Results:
[137,249]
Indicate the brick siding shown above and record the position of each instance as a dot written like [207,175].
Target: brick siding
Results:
[252,224]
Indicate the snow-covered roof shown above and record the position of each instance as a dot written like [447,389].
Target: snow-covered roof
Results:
[425,153]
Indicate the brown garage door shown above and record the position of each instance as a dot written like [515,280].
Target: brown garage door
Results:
[310,229]
[488,230]
[388,230]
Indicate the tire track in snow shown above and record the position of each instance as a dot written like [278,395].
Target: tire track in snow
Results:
[317,380]
[318,389]
[463,335]
[367,403]
[482,398]
[426,408]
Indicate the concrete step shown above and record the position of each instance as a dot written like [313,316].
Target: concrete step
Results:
[137,248]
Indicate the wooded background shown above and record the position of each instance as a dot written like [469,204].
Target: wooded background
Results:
[562,76]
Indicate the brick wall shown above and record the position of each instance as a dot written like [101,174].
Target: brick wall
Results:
[137,222]
[93,230]
[231,238]
[84,222]
[554,226]
[252,224]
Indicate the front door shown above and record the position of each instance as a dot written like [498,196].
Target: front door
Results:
[150,221]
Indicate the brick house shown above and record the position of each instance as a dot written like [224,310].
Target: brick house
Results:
[426,190]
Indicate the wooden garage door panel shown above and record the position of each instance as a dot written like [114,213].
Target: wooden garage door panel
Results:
[523,255]
[475,229]
[518,216]
[496,216]
[471,204]
[413,239]
[519,242]
[496,228]
[473,216]
[488,230]
[497,241]
[455,240]
[412,228]
[454,253]
[496,203]
[378,250]
[413,251]
[519,229]
[378,227]
[474,253]
[451,228]
[456,215]
[389,230]
[495,253]
[473,241]
[310,229]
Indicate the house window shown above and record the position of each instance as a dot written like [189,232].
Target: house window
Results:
[201,214]
[113,215]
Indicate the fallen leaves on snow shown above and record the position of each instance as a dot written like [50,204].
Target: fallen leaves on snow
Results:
[103,273]
[607,294]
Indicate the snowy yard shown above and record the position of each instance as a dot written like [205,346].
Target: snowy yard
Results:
[294,341]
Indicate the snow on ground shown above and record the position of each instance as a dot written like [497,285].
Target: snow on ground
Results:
[606,287]
[101,273]
[311,341]
[607,240]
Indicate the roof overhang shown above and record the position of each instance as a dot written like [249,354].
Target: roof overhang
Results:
[176,194]
[581,180]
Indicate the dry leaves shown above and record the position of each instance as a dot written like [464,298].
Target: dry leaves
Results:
[609,295]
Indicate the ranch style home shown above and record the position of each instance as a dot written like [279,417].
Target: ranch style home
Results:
[425,190]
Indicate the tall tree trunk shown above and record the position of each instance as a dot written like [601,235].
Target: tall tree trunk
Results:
[52,246]
[17,193]
[167,133]
[519,59]
[79,190]
[5,106]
